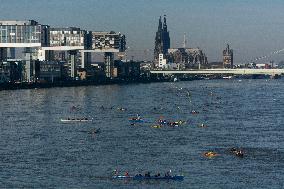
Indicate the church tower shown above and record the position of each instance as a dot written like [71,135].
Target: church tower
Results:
[162,39]
[228,57]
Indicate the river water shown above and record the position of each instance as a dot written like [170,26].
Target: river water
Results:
[37,150]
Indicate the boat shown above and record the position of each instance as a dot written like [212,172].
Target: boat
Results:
[237,152]
[210,154]
[95,131]
[227,77]
[157,126]
[121,109]
[141,177]
[133,120]
[202,125]
[176,123]
[194,112]
[136,119]
[163,122]
[76,120]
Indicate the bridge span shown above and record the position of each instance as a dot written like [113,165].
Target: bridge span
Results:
[222,71]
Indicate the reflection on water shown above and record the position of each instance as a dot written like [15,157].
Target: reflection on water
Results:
[37,150]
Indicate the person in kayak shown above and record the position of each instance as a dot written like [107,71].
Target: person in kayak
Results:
[158,175]
[138,117]
[167,174]
[147,174]
[115,172]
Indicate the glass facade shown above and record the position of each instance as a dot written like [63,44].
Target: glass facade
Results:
[32,34]
[24,34]
[67,37]
[108,40]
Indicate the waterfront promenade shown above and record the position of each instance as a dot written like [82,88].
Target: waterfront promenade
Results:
[223,71]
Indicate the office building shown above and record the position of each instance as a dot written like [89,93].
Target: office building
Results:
[108,41]
[71,45]
[23,34]
[73,37]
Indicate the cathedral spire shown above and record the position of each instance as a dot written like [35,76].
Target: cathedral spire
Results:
[228,49]
[160,24]
[165,23]
[162,39]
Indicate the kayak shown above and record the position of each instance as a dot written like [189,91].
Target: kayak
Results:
[210,154]
[76,120]
[141,177]
[136,120]
[157,126]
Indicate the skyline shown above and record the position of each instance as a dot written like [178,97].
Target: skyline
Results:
[252,29]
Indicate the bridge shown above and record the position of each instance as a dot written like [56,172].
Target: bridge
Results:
[222,71]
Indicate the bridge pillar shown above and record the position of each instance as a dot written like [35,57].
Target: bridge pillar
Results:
[28,64]
[85,59]
[109,64]
[72,64]
[11,53]
[3,53]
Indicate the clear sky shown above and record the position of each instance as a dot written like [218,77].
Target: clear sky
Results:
[253,28]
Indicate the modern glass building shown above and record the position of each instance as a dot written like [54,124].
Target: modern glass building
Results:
[68,37]
[108,41]
[23,34]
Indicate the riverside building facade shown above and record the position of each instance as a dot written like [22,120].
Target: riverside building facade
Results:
[22,34]
[72,45]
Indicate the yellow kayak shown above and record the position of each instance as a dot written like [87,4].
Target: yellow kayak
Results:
[210,154]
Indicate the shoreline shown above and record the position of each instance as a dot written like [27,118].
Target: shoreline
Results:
[73,83]
[18,86]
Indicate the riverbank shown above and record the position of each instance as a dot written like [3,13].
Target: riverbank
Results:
[106,81]
[24,85]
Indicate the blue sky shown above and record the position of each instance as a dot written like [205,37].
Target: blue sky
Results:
[253,28]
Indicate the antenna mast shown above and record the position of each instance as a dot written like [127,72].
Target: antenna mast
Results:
[184,40]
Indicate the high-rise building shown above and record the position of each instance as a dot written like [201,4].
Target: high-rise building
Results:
[23,34]
[27,34]
[162,39]
[228,57]
[70,45]
[109,43]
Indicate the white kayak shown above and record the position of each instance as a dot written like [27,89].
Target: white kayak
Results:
[76,120]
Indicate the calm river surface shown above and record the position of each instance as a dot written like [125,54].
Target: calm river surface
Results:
[37,150]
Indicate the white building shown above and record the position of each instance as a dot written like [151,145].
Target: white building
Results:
[162,61]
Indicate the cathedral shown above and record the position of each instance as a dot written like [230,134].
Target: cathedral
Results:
[162,39]
[185,57]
